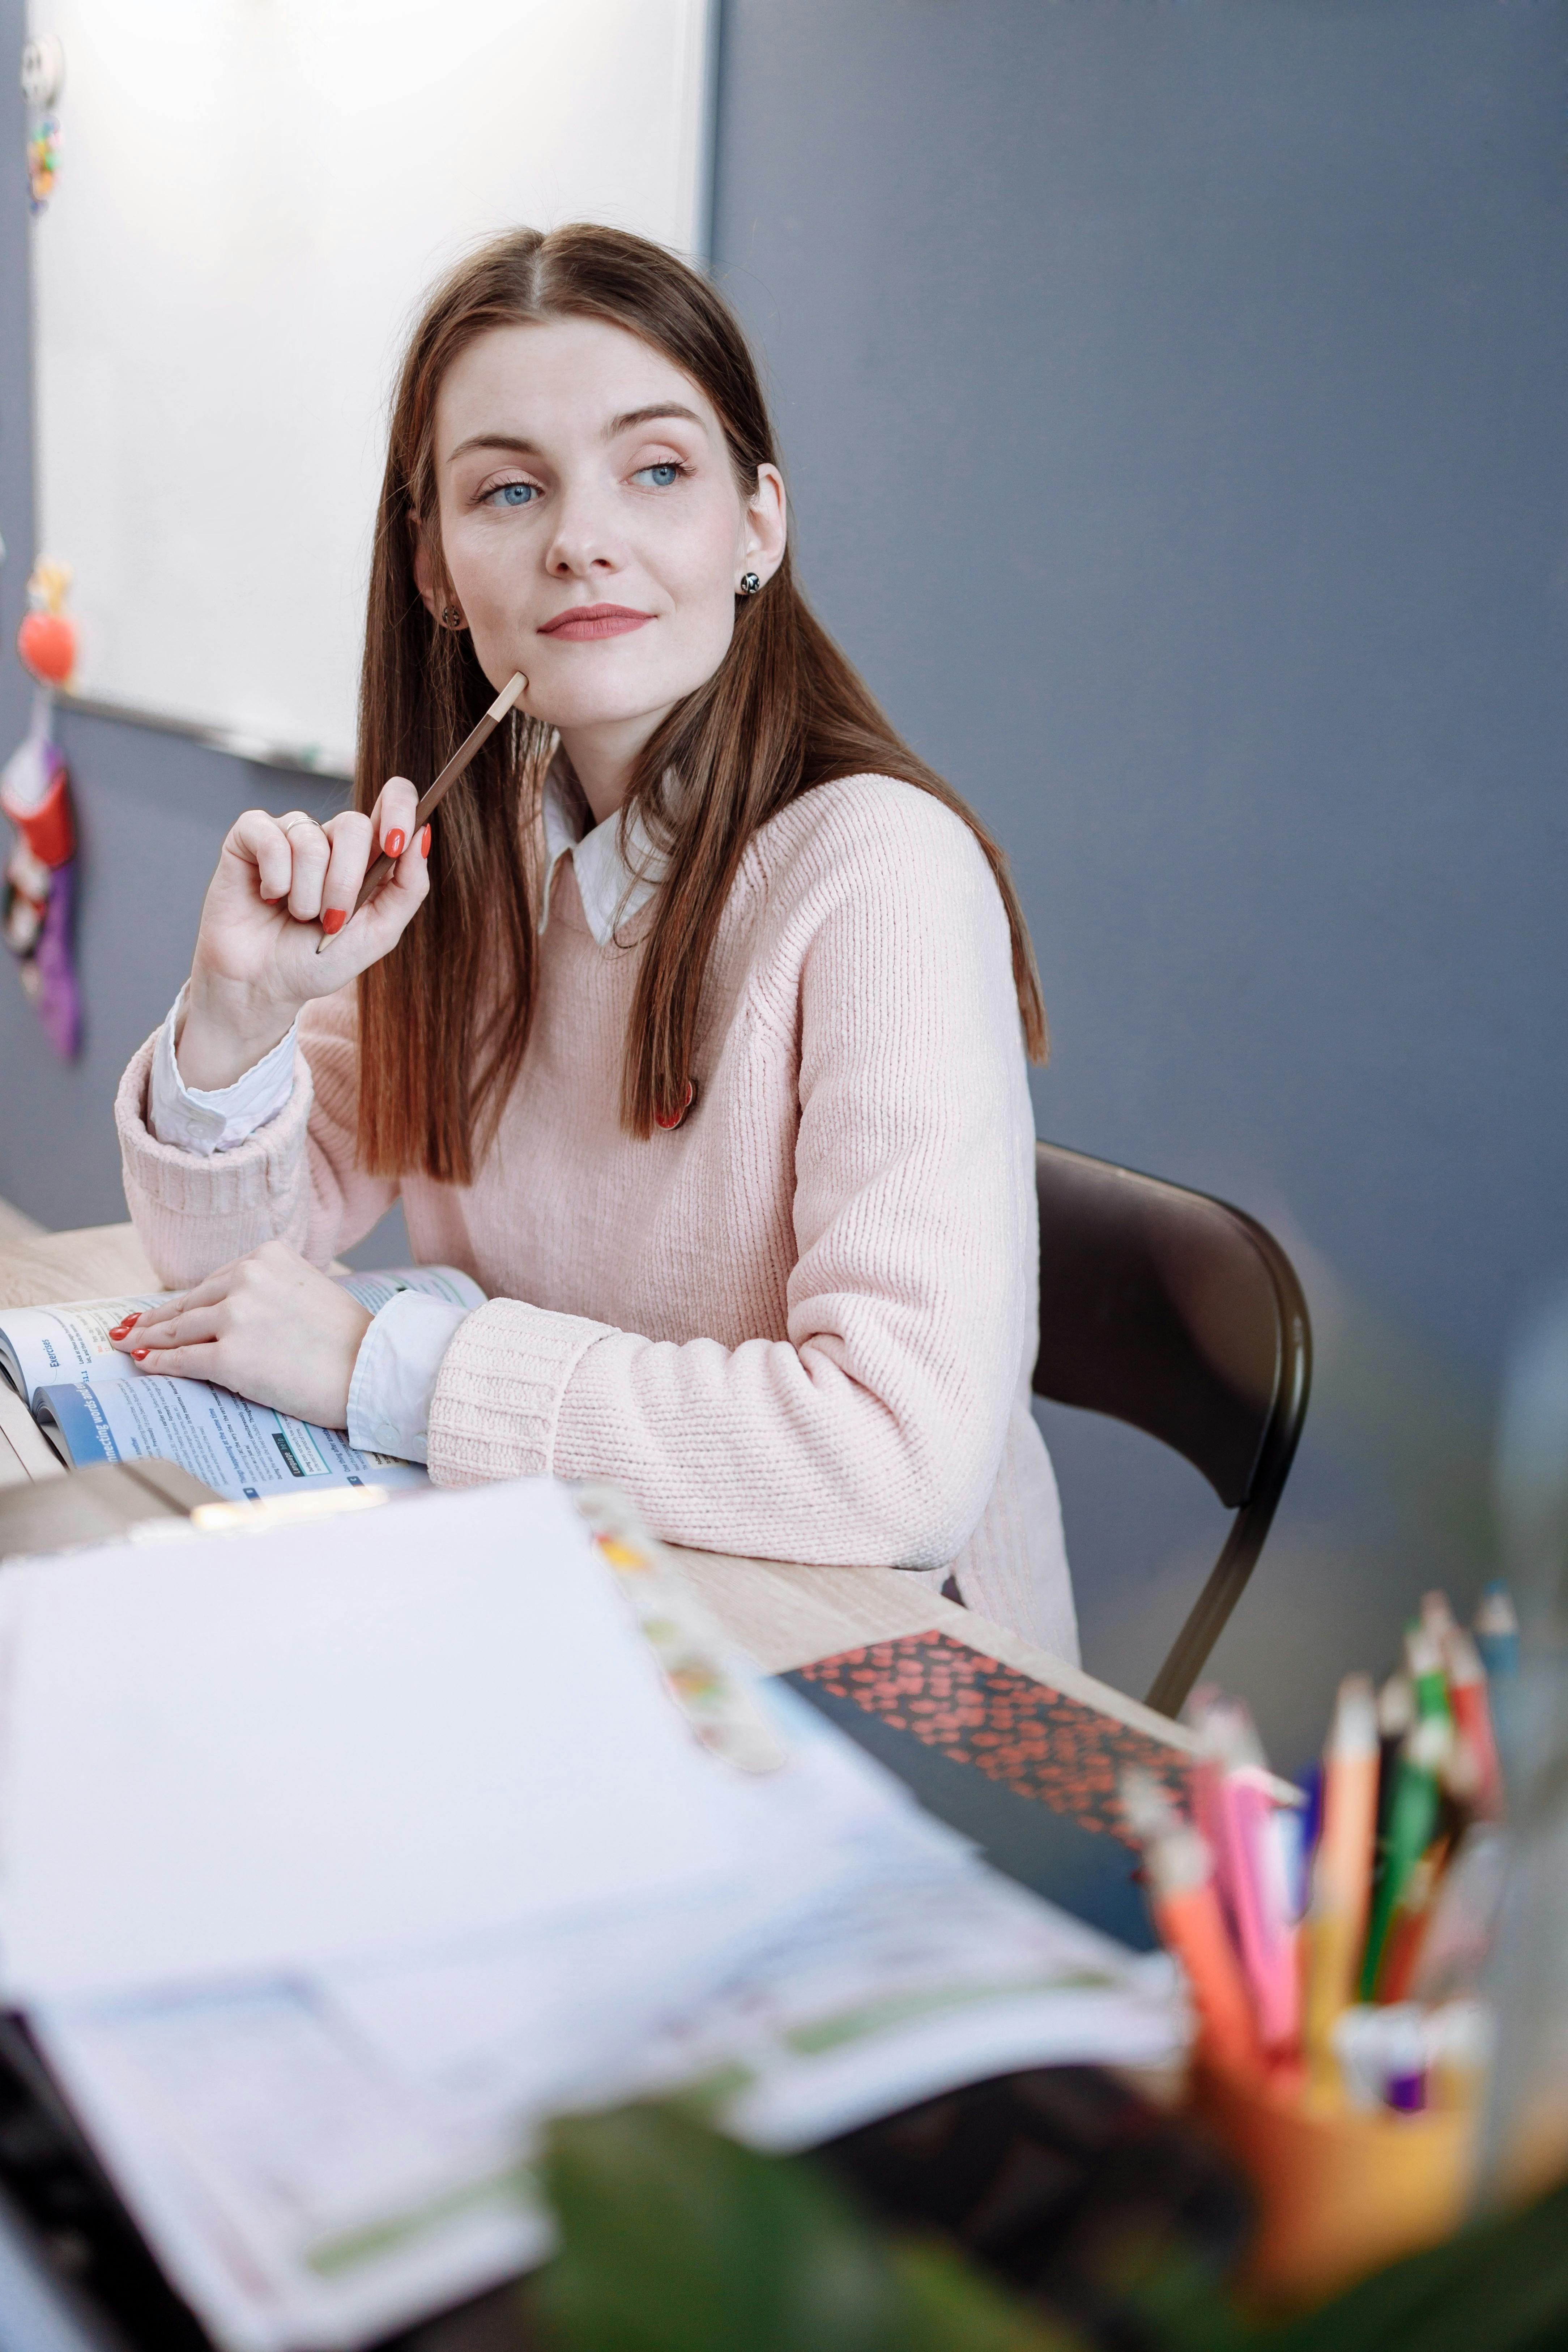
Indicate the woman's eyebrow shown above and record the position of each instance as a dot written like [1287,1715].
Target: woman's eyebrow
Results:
[647,415]
[493,441]
[623,423]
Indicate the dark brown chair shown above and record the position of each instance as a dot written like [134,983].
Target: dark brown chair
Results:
[1182,1316]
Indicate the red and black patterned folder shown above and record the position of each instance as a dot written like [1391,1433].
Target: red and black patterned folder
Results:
[1035,1740]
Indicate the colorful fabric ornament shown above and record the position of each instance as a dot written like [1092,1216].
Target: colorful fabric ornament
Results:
[43,160]
[43,78]
[34,794]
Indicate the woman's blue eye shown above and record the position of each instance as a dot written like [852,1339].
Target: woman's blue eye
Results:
[661,475]
[515,494]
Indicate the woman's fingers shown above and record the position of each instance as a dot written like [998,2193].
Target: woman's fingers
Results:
[391,819]
[349,837]
[382,921]
[260,839]
[193,1317]
[310,853]
[200,1362]
[197,1325]
[130,1334]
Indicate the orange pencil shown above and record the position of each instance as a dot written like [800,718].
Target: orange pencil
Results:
[1348,1838]
[1192,1928]
[1342,1868]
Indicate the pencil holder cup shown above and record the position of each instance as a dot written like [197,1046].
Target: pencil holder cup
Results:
[1338,2194]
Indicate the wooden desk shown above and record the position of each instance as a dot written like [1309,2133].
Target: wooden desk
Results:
[94,1262]
[787,1616]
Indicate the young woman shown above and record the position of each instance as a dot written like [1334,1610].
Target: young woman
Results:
[696,1034]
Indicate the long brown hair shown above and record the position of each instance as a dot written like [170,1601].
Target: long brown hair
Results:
[444,1019]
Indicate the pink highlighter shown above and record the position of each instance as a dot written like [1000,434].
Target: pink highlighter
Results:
[1237,1810]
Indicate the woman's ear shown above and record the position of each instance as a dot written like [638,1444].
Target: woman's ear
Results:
[766,524]
[423,572]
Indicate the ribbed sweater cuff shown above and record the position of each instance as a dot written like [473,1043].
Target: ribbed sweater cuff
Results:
[251,1176]
[498,1396]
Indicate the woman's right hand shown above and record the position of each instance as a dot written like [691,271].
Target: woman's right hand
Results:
[279,885]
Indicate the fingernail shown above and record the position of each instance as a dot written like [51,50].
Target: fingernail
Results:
[140,1354]
[333,920]
[425,843]
[396,842]
[120,1329]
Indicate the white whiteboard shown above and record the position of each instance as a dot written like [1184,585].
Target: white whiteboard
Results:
[252,196]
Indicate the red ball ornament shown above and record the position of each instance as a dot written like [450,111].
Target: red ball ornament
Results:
[45,642]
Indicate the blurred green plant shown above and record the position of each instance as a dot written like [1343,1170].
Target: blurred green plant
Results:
[676,2239]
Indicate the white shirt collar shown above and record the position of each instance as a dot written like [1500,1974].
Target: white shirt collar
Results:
[612,886]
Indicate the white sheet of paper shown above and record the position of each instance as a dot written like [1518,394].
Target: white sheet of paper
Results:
[318,2161]
[374,1735]
[296,2191]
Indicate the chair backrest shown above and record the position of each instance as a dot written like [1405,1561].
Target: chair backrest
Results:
[1182,1316]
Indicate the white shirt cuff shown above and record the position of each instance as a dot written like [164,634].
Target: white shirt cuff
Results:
[214,1119]
[394,1375]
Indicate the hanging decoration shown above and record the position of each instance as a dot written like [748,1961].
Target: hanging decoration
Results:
[43,78]
[34,794]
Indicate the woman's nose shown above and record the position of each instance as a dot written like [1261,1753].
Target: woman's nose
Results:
[582,540]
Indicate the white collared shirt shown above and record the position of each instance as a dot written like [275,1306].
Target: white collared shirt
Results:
[615,885]
[400,1355]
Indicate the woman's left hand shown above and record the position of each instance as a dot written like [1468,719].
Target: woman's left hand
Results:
[269,1327]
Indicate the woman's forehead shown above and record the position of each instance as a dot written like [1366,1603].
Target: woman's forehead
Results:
[560,375]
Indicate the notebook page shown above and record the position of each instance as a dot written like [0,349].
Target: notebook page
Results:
[374,1734]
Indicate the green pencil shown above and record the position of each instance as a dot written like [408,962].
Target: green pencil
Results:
[1412,1820]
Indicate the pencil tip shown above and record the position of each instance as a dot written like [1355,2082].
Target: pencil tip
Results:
[516,683]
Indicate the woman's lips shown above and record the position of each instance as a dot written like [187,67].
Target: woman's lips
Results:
[586,621]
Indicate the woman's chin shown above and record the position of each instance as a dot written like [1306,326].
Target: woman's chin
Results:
[576,712]
[613,683]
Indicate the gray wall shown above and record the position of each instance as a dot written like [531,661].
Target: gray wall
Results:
[1173,398]
[1174,401]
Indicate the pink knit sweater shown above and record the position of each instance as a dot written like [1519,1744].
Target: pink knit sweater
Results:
[800,1325]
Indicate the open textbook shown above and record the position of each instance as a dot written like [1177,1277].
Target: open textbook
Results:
[95,1404]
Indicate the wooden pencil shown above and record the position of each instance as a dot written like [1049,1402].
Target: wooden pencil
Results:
[429,801]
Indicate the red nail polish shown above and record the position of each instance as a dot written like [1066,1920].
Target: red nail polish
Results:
[334,920]
[396,842]
[425,843]
[140,1354]
[674,1119]
[120,1329]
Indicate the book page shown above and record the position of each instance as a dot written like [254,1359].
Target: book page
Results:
[448,1282]
[40,1344]
[244,1452]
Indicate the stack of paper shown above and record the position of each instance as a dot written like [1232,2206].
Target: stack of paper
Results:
[332,1862]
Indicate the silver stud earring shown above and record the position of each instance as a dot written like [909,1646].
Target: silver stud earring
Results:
[750,584]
